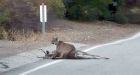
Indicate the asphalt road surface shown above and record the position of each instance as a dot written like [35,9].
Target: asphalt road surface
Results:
[124,60]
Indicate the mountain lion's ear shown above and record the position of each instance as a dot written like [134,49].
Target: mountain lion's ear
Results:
[54,41]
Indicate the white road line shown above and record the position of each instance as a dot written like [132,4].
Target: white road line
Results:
[98,46]
[40,67]
[115,42]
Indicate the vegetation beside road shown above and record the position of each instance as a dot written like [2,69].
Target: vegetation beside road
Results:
[19,19]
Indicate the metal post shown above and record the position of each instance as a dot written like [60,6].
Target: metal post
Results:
[43,19]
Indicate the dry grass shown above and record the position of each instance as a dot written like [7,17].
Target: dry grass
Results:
[90,33]
[14,35]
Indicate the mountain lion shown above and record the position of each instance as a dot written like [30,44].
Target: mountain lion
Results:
[68,51]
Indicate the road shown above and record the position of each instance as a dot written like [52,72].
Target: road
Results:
[124,60]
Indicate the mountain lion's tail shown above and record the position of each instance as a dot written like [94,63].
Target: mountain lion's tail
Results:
[85,55]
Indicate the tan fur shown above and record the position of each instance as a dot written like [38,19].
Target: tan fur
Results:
[63,50]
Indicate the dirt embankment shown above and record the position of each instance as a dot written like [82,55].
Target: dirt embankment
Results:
[88,33]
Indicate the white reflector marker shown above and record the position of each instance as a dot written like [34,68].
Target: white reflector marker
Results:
[43,16]
[43,13]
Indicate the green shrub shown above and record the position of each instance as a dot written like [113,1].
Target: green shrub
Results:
[94,10]
[87,9]
[57,6]
[4,17]
[120,18]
